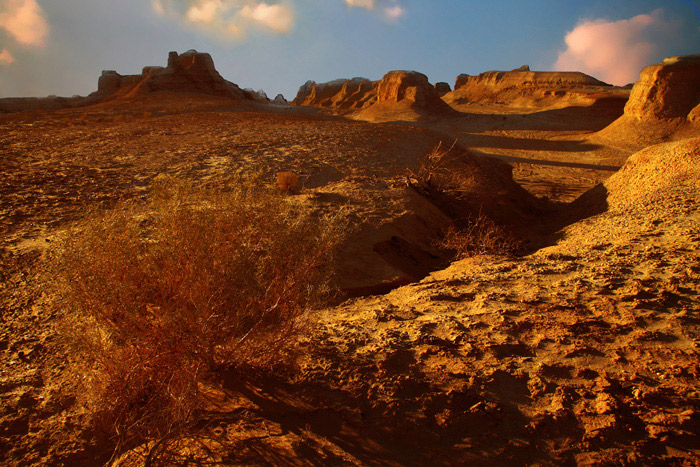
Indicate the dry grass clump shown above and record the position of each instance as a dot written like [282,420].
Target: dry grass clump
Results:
[158,297]
[479,235]
[287,182]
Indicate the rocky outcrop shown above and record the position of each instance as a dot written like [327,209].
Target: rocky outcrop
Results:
[664,105]
[190,72]
[442,88]
[410,87]
[280,100]
[667,90]
[342,94]
[523,77]
[537,89]
[405,96]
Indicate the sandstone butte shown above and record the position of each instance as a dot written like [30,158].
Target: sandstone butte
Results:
[534,89]
[191,71]
[664,102]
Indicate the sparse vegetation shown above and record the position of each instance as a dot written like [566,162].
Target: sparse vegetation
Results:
[287,182]
[434,169]
[479,236]
[156,297]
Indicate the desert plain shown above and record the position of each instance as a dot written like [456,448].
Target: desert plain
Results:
[578,346]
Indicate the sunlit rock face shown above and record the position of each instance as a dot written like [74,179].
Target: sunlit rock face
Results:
[355,93]
[670,89]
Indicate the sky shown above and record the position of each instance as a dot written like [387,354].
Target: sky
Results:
[60,47]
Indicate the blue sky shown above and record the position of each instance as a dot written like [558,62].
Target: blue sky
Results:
[60,46]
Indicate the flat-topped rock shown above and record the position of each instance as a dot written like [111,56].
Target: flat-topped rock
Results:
[666,90]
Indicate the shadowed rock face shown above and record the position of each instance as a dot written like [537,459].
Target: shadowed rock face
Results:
[190,72]
[670,89]
[356,93]
[442,88]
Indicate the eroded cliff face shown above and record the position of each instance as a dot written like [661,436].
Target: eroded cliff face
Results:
[356,93]
[534,89]
[664,105]
[667,90]
[190,72]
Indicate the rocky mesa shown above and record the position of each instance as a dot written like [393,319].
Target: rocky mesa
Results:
[534,89]
[190,72]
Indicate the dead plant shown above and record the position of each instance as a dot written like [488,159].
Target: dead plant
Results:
[479,235]
[157,297]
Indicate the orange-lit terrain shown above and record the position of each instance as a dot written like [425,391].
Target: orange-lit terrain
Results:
[581,347]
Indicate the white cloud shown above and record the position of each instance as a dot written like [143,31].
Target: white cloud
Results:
[366,4]
[205,13]
[6,57]
[392,10]
[613,51]
[278,18]
[229,19]
[395,12]
[24,20]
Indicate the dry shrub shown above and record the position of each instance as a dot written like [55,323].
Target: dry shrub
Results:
[287,182]
[479,236]
[158,297]
[438,170]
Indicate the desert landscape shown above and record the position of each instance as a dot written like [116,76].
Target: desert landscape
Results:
[505,271]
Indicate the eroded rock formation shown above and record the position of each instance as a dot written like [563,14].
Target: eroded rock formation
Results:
[670,89]
[537,89]
[190,72]
[664,105]
[355,93]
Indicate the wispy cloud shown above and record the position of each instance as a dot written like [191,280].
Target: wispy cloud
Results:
[6,57]
[614,51]
[24,20]
[230,19]
[392,10]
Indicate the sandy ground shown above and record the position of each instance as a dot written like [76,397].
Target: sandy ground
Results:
[584,352]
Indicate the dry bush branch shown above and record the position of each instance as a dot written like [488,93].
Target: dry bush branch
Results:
[156,298]
[479,235]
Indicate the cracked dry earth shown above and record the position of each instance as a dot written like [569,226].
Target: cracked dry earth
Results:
[582,353]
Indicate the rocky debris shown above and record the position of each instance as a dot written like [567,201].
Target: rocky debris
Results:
[342,94]
[524,88]
[190,72]
[442,88]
